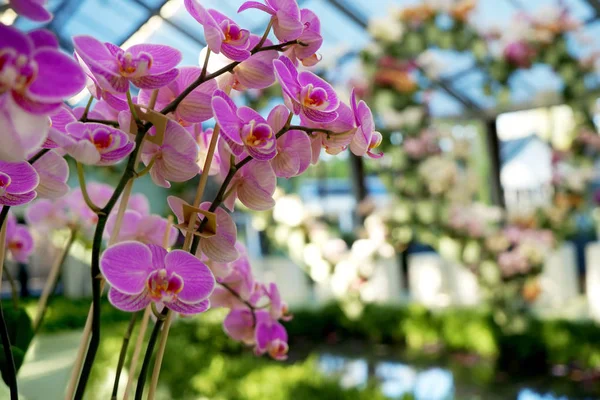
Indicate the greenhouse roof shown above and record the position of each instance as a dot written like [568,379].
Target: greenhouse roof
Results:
[459,86]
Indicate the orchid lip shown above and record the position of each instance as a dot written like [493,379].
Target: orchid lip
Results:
[17,71]
[5,182]
[130,66]
[164,287]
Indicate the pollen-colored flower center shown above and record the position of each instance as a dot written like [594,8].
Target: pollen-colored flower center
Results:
[101,138]
[277,349]
[232,32]
[17,71]
[4,182]
[15,245]
[314,97]
[255,134]
[163,286]
[134,66]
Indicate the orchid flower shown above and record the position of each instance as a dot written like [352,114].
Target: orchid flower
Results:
[305,93]
[140,274]
[195,107]
[293,149]
[203,139]
[18,182]
[344,128]
[96,144]
[222,34]
[243,128]
[48,215]
[366,138]
[147,66]
[53,172]
[31,9]
[18,239]
[270,336]
[218,248]
[35,73]
[148,229]
[287,24]
[254,183]
[175,159]
[310,40]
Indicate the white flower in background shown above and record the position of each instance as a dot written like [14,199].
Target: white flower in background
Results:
[374,49]
[439,174]
[432,63]
[386,29]
[289,211]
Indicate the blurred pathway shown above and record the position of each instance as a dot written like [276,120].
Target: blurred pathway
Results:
[47,366]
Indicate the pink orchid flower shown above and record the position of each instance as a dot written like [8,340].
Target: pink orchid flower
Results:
[53,172]
[140,274]
[344,128]
[293,149]
[285,14]
[310,38]
[18,239]
[254,184]
[239,325]
[48,215]
[147,66]
[116,100]
[203,139]
[195,107]
[175,159]
[218,248]
[83,216]
[366,137]
[148,229]
[270,336]
[96,144]
[58,127]
[278,309]
[305,93]
[140,203]
[35,73]
[22,133]
[222,34]
[18,182]
[31,9]
[243,128]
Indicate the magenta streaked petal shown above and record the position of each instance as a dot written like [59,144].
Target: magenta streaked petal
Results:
[287,76]
[263,154]
[126,266]
[111,83]
[196,107]
[53,171]
[199,281]
[10,37]
[221,247]
[32,106]
[235,53]
[164,58]
[156,81]
[84,151]
[212,31]
[238,324]
[128,302]
[189,309]
[34,10]
[226,117]
[308,78]
[288,25]
[22,175]
[61,118]
[59,76]
[319,116]
[17,199]
[257,71]
[131,220]
[96,55]
[43,38]
[256,5]
[278,117]
[117,155]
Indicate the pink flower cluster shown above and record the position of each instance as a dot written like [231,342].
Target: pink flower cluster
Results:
[527,250]
[162,128]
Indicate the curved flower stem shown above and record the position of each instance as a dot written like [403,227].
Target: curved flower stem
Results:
[102,121]
[205,66]
[146,169]
[159,355]
[250,306]
[123,354]
[11,370]
[83,186]
[132,108]
[139,390]
[87,108]
[265,35]
[136,352]
[282,46]
[14,293]
[51,281]
[311,130]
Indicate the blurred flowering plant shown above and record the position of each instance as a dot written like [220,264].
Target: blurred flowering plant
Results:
[159,132]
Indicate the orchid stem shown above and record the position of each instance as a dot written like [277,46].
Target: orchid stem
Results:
[159,355]
[83,186]
[205,66]
[123,354]
[146,169]
[14,293]
[103,122]
[265,35]
[136,352]
[132,108]
[139,391]
[10,371]
[51,281]
[87,109]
